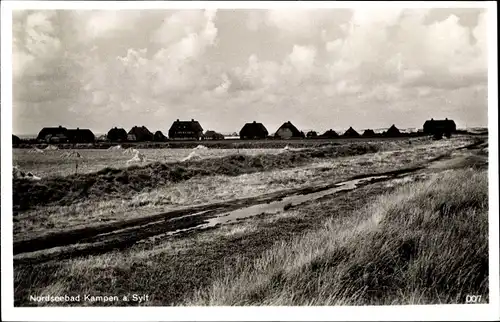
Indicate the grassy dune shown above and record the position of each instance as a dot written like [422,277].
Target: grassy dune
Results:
[424,243]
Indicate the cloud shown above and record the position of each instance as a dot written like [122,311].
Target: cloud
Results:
[351,67]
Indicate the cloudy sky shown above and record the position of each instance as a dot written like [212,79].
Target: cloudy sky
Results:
[319,69]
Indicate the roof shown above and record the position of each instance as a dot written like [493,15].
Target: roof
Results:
[142,130]
[330,133]
[80,131]
[351,132]
[291,127]
[393,130]
[254,128]
[117,130]
[368,132]
[439,122]
[186,125]
[52,130]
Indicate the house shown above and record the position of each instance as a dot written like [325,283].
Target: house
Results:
[80,136]
[117,135]
[212,135]
[131,137]
[142,134]
[53,134]
[438,128]
[185,130]
[159,137]
[369,133]
[351,133]
[312,134]
[253,130]
[288,131]
[15,140]
[330,134]
[392,131]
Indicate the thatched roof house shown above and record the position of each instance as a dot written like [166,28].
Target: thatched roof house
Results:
[159,137]
[312,134]
[212,135]
[142,134]
[185,130]
[369,133]
[117,135]
[351,133]
[53,134]
[80,136]
[253,130]
[330,134]
[392,131]
[288,131]
[15,140]
[440,127]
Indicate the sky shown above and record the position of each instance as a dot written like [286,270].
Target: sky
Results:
[318,68]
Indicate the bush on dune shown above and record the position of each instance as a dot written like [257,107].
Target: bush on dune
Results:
[425,243]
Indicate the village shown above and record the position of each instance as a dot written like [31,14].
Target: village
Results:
[193,131]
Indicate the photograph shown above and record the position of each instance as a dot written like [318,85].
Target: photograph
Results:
[191,156]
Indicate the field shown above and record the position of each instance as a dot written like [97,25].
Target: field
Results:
[362,222]
[57,163]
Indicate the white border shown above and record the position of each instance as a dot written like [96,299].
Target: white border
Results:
[400,313]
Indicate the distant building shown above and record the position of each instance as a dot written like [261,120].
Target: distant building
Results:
[288,131]
[212,135]
[330,134]
[253,130]
[438,128]
[185,130]
[351,133]
[142,134]
[159,137]
[117,135]
[369,133]
[15,140]
[393,131]
[312,134]
[80,136]
[53,135]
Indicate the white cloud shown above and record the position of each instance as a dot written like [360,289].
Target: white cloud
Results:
[351,66]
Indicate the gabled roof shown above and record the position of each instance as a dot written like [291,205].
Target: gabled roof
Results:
[393,130]
[351,132]
[292,128]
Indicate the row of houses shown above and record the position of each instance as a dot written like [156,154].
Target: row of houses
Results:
[192,130]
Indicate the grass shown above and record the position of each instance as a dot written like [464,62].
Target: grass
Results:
[53,163]
[111,182]
[120,182]
[205,189]
[422,242]
[426,243]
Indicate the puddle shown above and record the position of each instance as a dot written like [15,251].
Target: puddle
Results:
[273,207]
[278,206]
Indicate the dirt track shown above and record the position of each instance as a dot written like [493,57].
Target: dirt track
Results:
[124,234]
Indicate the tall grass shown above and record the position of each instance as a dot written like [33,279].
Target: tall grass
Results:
[425,243]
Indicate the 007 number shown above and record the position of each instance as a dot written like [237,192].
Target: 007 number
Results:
[473,299]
